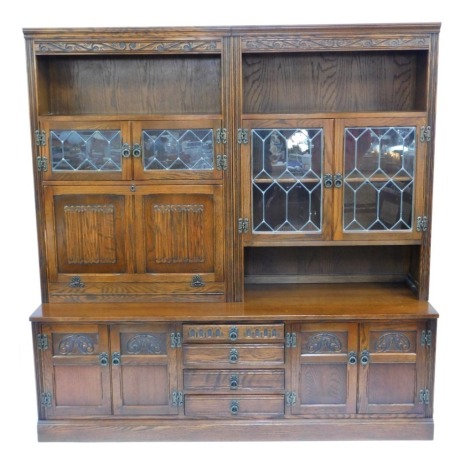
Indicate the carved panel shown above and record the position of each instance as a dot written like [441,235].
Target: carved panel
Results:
[178,233]
[90,234]
[333,43]
[258,332]
[75,344]
[175,46]
[393,342]
[145,344]
[322,343]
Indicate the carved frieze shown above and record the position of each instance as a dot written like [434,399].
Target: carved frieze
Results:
[145,344]
[324,343]
[74,344]
[393,342]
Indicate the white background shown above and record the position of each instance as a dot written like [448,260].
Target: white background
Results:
[19,277]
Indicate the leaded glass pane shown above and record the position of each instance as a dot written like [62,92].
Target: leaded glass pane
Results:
[286,178]
[379,175]
[178,149]
[85,150]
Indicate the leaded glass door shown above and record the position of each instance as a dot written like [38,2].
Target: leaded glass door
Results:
[178,149]
[85,150]
[284,163]
[379,173]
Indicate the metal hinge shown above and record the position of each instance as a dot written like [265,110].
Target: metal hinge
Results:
[221,136]
[177,398]
[40,137]
[175,340]
[42,342]
[424,396]
[426,338]
[291,398]
[291,340]
[242,225]
[242,136]
[221,162]
[425,135]
[42,163]
[422,223]
[46,399]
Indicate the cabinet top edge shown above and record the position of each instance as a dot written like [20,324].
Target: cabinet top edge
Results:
[395,28]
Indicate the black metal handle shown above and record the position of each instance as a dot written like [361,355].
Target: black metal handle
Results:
[338,180]
[234,407]
[352,360]
[116,359]
[233,333]
[103,358]
[233,356]
[125,151]
[328,180]
[364,357]
[136,150]
[233,382]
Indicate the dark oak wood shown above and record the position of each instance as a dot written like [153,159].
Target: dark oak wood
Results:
[162,318]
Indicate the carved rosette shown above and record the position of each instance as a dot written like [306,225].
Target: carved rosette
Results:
[393,342]
[176,46]
[326,43]
[144,344]
[76,344]
[324,343]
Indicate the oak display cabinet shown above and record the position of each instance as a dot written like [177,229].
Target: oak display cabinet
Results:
[234,232]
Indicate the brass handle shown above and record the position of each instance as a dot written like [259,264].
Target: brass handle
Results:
[103,358]
[352,358]
[125,151]
[234,382]
[364,357]
[328,180]
[234,407]
[233,333]
[136,150]
[233,356]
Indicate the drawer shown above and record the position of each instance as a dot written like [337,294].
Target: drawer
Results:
[229,355]
[254,333]
[221,406]
[234,380]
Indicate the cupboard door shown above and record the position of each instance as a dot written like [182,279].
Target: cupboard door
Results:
[284,165]
[324,368]
[180,233]
[178,149]
[144,369]
[76,371]
[87,230]
[86,150]
[392,368]
[380,173]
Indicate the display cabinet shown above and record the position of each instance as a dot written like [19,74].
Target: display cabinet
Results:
[234,232]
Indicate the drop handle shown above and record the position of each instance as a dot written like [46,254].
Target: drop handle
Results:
[352,360]
[234,407]
[116,359]
[233,333]
[328,180]
[338,180]
[364,357]
[136,150]
[234,382]
[125,150]
[233,356]
[103,359]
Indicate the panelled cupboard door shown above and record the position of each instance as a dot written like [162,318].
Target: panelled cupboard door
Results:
[379,178]
[180,232]
[284,164]
[76,372]
[324,368]
[178,149]
[144,369]
[85,150]
[392,368]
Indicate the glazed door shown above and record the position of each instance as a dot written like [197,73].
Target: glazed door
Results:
[76,371]
[284,193]
[392,368]
[324,368]
[144,369]
[178,149]
[379,178]
[86,150]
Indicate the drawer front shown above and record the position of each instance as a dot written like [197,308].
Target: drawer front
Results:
[234,380]
[225,355]
[255,333]
[219,406]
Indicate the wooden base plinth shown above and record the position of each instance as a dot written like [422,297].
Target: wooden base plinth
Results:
[236,430]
